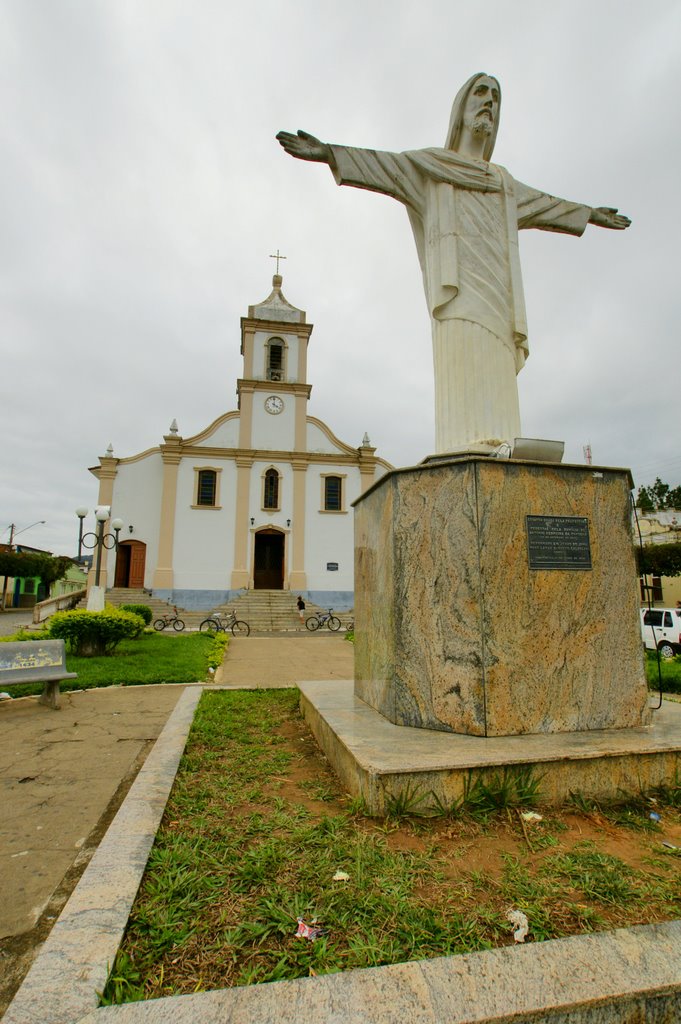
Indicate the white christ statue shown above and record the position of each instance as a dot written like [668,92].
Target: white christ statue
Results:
[465,213]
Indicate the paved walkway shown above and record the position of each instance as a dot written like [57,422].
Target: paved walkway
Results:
[11,621]
[278,661]
[64,773]
[59,771]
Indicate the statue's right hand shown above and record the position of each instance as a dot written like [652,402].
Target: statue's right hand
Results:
[304,146]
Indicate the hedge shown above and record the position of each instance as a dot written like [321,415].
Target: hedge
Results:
[92,634]
[143,610]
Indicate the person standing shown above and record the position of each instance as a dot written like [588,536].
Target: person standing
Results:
[301,607]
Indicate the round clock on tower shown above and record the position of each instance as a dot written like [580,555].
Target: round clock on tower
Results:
[274,404]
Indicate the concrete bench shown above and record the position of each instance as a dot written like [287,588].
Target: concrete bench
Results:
[35,661]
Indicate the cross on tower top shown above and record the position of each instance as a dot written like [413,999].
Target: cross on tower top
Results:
[277,258]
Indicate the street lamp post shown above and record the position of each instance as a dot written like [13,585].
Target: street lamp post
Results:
[81,512]
[13,532]
[98,540]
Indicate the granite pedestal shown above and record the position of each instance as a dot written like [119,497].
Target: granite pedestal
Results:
[498,598]
[379,762]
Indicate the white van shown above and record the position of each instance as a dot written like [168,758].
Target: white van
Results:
[661,630]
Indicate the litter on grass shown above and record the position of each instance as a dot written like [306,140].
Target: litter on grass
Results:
[341,876]
[531,816]
[520,924]
[654,816]
[310,931]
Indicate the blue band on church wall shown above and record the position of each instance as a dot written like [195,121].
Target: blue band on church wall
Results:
[206,600]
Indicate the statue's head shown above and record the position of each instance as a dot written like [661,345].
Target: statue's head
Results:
[476,108]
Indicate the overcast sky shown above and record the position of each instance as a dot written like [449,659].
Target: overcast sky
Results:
[142,191]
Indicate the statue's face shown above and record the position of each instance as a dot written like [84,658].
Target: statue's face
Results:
[481,110]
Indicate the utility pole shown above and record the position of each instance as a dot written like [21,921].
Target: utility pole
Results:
[13,532]
[4,582]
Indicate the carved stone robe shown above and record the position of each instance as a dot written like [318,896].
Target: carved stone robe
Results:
[465,217]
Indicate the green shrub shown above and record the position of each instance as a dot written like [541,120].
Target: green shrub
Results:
[669,669]
[216,651]
[93,634]
[25,634]
[143,610]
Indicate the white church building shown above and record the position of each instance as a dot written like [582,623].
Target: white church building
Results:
[260,499]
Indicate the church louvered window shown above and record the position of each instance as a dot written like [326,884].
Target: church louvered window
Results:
[275,360]
[332,494]
[206,487]
[271,495]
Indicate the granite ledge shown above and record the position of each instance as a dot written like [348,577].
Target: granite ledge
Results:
[380,746]
[621,976]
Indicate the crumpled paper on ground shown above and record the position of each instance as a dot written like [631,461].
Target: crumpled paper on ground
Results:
[520,923]
[310,931]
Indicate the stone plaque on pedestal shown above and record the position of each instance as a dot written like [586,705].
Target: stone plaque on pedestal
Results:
[498,598]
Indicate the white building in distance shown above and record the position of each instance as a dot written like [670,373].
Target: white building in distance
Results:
[259,499]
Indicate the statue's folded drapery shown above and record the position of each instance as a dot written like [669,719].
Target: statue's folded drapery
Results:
[465,217]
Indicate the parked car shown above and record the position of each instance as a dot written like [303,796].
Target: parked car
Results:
[661,630]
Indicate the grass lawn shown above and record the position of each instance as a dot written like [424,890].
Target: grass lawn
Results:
[153,658]
[257,827]
[670,670]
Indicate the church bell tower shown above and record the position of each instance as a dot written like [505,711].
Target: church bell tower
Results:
[273,392]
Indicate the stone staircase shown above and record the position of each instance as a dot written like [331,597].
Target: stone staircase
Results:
[265,611]
[128,595]
[272,611]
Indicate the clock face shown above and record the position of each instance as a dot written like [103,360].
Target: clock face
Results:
[274,404]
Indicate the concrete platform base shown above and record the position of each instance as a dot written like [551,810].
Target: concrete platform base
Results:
[377,760]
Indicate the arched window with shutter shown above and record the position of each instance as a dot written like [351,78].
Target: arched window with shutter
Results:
[271,489]
[333,493]
[276,359]
[206,487]
[206,491]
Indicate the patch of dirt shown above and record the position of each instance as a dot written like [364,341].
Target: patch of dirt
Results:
[464,844]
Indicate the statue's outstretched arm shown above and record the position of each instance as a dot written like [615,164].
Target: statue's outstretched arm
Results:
[548,213]
[388,173]
[608,217]
[305,147]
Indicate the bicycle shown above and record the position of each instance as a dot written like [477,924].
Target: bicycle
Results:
[215,624]
[319,620]
[169,620]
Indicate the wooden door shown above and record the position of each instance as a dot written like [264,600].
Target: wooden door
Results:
[138,557]
[130,562]
[122,573]
[268,568]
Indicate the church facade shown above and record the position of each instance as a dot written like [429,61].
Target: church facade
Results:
[260,499]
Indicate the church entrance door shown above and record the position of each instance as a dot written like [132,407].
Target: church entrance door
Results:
[268,568]
[130,561]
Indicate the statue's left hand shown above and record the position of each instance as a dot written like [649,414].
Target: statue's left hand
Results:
[608,217]
[304,146]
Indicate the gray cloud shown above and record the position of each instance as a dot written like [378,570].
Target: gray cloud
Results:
[141,192]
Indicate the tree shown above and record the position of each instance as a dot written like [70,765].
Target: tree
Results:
[659,559]
[658,497]
[53,568]
[26,564]
[644,501]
